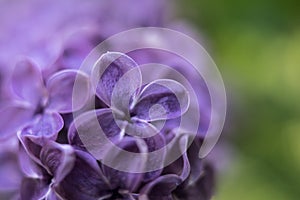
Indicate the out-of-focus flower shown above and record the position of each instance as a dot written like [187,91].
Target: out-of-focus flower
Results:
[56,37]
[41,28]
[35,98]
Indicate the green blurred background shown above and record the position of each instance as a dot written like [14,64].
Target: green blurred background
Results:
[256,45]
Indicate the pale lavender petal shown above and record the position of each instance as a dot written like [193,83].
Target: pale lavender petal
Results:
[185,74]
[68,91]
[161,99]
[85,180]
[94,130]
[58,159]
[74,138]
[13,117]
[141,129]
[108,70]
[45,127]
[125,93]
[27,82]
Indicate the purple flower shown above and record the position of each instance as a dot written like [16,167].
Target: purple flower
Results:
[53,162]
[120,88]
[34,99]
[55,171]
[133,109]
[128,124]
[58,157]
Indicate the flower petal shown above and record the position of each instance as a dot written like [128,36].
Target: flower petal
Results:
[27,82]
[68,91]
[161,99]
[28,166]
[126,180]
[85,180]
[13,117]
[109,69]
[202,189]
[155,143]
[180,167]
[33,150]
[161,188]
[195,162]
[94,131]
[141,129]
[45,127]
[58,159]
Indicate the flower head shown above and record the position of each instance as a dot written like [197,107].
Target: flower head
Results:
[34,99]
[55,145]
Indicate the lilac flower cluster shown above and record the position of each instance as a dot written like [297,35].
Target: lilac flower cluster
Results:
[45,150]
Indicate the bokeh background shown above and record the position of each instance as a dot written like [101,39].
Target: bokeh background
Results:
[256,45]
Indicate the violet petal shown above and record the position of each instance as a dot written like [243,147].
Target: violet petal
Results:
[161,188]
[155,143]
[27,82]
[181,167]
[141,129]
[89,182]
[126,180]
[28,166]
[161,99]
[108,71]
[45,127]
[96,130]
[58,159]
[68,91]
